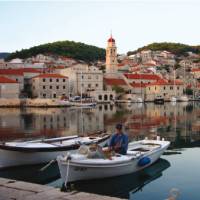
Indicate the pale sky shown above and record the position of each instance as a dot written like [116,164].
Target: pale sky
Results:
[134,23]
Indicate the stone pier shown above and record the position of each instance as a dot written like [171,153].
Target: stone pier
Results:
[19,190]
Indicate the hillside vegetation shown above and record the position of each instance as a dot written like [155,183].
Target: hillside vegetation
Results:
[71,49]
[176,48]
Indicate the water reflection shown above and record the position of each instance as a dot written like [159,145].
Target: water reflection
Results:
[32,173]
[178,123]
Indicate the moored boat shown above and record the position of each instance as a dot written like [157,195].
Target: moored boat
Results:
[140,154]
[183,99]
[42,151]
[173,99]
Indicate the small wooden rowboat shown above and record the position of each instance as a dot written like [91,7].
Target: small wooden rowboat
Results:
[77,166]
[42,151]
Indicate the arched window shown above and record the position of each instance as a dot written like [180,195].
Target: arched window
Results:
[100,97]
[105,97]
[111,97]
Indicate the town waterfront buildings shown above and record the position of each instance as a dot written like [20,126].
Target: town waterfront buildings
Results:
[144,74]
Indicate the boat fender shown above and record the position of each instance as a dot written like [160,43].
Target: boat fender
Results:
[144,161]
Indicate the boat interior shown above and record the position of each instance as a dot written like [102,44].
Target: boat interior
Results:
[141,148]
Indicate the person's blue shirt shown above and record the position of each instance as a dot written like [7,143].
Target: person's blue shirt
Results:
[120,139]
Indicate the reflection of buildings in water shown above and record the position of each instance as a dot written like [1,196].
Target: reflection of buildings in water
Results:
[124,186]
[87,120]
[149,120]
[51,120]
[10,118]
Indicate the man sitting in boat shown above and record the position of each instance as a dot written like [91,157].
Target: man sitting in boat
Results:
[119,141]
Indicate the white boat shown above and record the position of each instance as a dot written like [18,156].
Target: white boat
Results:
[173,99]
[183,99]
[84,104]
[138,100]
[140,154]
[42,151]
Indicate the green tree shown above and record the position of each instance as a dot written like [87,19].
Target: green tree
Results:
[118,89]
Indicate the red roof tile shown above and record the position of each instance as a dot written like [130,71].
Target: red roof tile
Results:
[143,76]
[50,76]
[6,80]
[11,72]
[114,81]
[195,70]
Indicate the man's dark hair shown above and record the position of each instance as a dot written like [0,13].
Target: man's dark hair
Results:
[119,126]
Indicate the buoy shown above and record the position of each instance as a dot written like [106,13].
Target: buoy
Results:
[144,161]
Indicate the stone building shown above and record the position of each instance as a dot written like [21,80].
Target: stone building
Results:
[49,86]
[9,88]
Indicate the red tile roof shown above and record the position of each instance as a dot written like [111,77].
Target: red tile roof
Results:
[11,72]
[6,80]
[50,76]
[114,81]
[143,76]
[195,70]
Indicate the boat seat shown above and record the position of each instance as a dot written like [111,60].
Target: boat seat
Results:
[133,153]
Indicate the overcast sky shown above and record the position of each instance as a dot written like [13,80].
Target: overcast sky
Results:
[134,23]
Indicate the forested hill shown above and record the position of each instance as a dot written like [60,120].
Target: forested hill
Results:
[71,49]
[176,48]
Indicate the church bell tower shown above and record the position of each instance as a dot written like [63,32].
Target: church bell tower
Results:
[111,56]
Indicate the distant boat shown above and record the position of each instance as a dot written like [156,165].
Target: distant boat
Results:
[173,99]
[42,151]
[140,154]
[139,100]
[183,98]
[83,102]
[159,100]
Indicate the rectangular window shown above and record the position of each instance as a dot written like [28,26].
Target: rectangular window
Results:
[63,86]
[63,80]
[57,87]
[57,80]
[50,87]
[43,80]
[50,80]
[97,85]
[44,87]
[44,95]
[89,85]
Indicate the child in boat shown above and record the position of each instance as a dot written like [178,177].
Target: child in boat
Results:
[119,141]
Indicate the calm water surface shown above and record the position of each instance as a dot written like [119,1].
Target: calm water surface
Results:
[178,168]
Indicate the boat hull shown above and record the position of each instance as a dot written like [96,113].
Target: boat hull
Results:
[77,172]
[17,156]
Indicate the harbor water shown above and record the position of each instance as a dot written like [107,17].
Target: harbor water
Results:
[176,172]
